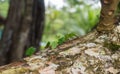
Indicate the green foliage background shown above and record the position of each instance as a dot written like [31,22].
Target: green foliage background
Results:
[78,17]
[4,7]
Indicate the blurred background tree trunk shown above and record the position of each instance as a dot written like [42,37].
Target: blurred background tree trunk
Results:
[23,29]
[37,25]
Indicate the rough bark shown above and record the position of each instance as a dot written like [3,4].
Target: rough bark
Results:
[11,26]
[37,25]
[20,36]
[108,13]
[94,53]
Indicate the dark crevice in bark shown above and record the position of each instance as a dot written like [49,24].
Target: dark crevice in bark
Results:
[2,20]
[37,25]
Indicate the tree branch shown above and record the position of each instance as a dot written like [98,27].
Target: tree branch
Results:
[107,17]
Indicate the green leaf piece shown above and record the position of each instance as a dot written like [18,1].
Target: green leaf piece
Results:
[30,51]
[61,40]
[54,44]
[47,45]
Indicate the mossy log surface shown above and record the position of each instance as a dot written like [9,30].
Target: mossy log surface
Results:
[94,53]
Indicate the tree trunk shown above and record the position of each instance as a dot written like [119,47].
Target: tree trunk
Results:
[37,24]
[12,24]
[107,18]
[16,51]
[24,26]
